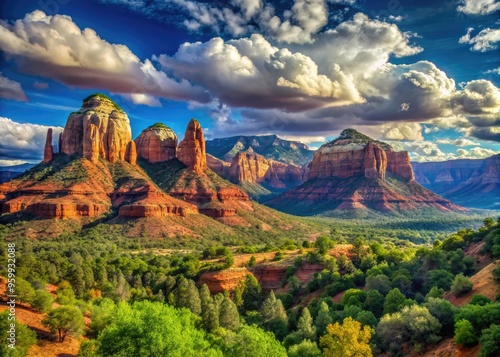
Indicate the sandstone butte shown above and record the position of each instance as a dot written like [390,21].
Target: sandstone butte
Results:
[158,143]
[248,166]
[95,170]
[356,172]
[199,185]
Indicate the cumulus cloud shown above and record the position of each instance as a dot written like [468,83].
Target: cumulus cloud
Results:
[55,47]
[10,89]
[483,41]
[478,7]
[272,77]
[423,151]
[479,100]
[494,71]
[476,153]
[23,141]
[458,142]
[145,99]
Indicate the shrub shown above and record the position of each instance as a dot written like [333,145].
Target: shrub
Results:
[464,333]
[461,285]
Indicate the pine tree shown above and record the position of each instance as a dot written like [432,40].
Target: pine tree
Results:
[323,319]
[229,317]
[252,293]
[305,325]
[186,295]
[274,316]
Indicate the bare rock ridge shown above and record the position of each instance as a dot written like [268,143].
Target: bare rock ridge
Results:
[355,172]
[191,150]
[48,151]
[100,129]
[157,143]
[471,183]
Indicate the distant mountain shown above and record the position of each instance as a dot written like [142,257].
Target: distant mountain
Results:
[7,173]
[355,174]
[470,183]
[269,146]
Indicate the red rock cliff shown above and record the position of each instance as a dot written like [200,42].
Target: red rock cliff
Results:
[157,143]
[191,150]
[100,129]
[48,152]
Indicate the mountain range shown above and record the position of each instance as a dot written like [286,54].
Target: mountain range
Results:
[99,171]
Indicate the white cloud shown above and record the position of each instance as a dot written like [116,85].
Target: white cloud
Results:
[304,139]
[423,151]
[24,141]
[145,99]
[485,40]
[458,142]
[476,153]
[10,89]
[55,47]
[479,100]
[478,7]
[494,71]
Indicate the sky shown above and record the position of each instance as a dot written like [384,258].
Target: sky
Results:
[422,75]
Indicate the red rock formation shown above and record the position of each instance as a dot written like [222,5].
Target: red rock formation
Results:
[91,143]
[48,151]
[399,163]
[131,155]
[99,129]
[157,143]
[220,167]
[228,279]
[191,150]
[270,276]
[375,162]
[254,168]
[349,173]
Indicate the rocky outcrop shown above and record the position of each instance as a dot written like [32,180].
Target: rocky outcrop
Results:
[191,150]
[356,154]
[220,167]
[48,152]
[157,143]
[249,167]
[269,146]
[100,129]
[350,174]
[220,281]
[442,176]
[398,162]
[131,153]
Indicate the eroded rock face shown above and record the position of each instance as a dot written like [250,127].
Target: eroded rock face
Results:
[356,154]
[254,168]
[191,150]
[48,152]
[99,129]
[157,143]
[350,173]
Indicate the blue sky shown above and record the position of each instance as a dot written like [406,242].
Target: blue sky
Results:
[422,75]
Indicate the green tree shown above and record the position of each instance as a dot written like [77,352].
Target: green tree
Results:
[374,302]
[435,292]
[461,285]
[439,278]
[323,244]
[465,334]
[305,327]
[229,317]
[380,283]
[323,319]
[251,341]
[65,293]
[42,301]
[393,301]
[65,320]
[205,303]
[252,261]
[24,337]
[444,311]
[153,329]
[347,340]
[87,349]
[186,295]
[490,342]
[101,313]
[24,291]
[252,293]
[306,348]
[274,316]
